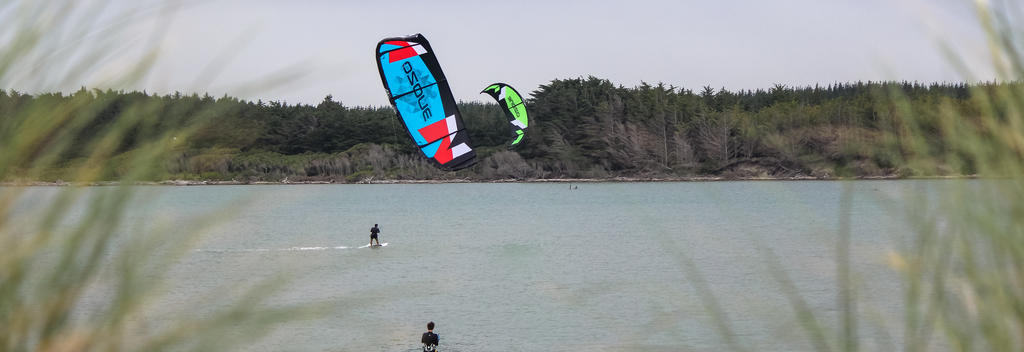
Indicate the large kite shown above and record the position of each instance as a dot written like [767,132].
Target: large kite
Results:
[423,100]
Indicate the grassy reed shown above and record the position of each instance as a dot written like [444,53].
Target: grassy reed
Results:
[76,273]
[963,269]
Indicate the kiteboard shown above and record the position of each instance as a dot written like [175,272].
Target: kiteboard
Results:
[375,245]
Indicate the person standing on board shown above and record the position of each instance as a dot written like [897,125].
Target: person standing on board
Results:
[373,234]
[430,339]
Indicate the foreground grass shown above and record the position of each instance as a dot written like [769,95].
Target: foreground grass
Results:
[963,268]
[76,274]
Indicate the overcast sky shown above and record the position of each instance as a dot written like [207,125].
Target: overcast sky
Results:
[326,47]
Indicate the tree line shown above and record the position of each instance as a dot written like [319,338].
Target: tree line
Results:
[579,128]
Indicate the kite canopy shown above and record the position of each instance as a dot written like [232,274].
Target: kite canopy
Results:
[423,101]
[512,104]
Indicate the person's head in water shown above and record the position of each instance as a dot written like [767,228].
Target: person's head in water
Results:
[374,225]
[430,326]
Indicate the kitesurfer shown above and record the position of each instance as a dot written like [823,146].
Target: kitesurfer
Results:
[429,339]
[373,234]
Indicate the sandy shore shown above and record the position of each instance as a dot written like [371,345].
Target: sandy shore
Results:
[540,180]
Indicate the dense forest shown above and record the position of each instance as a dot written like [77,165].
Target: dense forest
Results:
[579,128]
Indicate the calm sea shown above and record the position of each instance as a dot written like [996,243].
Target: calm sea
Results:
[548,266]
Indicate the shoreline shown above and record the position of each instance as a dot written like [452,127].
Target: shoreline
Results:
[542,180]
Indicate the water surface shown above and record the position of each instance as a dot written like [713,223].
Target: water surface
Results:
[542,267]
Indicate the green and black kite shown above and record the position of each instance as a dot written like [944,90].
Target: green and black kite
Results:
[512,103]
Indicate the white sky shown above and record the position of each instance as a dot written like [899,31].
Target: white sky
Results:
[326,47]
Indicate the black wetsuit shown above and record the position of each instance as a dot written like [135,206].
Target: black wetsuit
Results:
[373,234]
[430,341]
